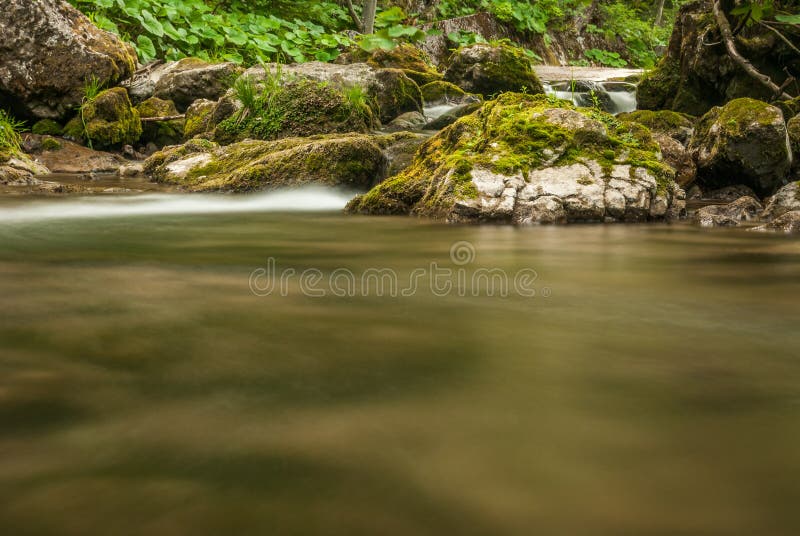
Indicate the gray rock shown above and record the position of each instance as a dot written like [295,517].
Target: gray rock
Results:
[676,155]
[787,199]
[191,79]
[730,215]
[489,69]
[48,52]
[406,121]
[788,222]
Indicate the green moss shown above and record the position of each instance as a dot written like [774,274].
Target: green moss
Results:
[298,108]
[198,118]
[108,120]
[162,132]
[154,166]
[659,121]
[404,97]
[515,133]
[736,115]
[440,91]
[47,127]
[658,87]
[51,144]
[492,69]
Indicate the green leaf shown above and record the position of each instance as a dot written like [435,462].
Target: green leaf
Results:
[145,48]
[151,24]
[790,19]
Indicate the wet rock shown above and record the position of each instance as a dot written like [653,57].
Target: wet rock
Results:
[133,169]
[745,142]
[75,159]
[407,121]
[787,199]
[388,91]
[18,169]
[730,215]
[788,222]
[350,161]
[190,79]
[48,52]
[452,115]
[399,150]
[108,120]
[793,130]
[499,165]
[491,69]
[441,92]
[678,158]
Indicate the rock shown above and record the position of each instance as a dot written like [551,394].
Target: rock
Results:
[745,142]
[48,53]
[298,107]
[694,193]
[134,169]
[788,222]
[730,215]
[108,120]
[76,159]
[441,92]
[407,121]
[672,124]
[695,75]
[17,169]
[438,47]
[452,115]
[161,132]
[388,91]
[353,161]
[414,63]
[730,193]
[793,130]
[787,199]
[678,158]
[190,79]
[198,118]
[47,127]
[399,150]
[524,159]
[490,69]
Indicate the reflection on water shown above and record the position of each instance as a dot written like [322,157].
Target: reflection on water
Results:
[145,390]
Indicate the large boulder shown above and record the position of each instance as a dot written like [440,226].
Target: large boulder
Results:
[490,69]
[525,159]
[190,79]
[787,199]
[389,91]
[352,161]
[49,52]
[696,72]
[743,142]
[108,120]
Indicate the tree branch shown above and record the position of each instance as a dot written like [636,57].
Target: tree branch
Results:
[160,119]
[354,15]
[779,34]
[744,63]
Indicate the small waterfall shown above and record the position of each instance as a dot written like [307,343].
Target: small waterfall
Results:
[612,97]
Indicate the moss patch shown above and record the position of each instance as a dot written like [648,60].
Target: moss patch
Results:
[163,132]
[47,127]
[441,91]
[109,120]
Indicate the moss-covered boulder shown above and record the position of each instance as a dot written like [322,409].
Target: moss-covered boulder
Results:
[353,161]
[673,124]
[160,133]
[389,92]
[108,120]
[47,127]
[408,58]
[198,118]
[190,79]
[441,92]
[696,72]
[296,107]
[530,159]
[743,142]
[489,69]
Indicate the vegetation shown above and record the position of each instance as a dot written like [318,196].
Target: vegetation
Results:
[10,138]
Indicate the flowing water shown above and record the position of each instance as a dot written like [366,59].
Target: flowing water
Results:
[637,380]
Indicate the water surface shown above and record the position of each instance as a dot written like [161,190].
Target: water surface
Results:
[651,386]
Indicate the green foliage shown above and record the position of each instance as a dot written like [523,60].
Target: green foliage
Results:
[604,57]
[10,128]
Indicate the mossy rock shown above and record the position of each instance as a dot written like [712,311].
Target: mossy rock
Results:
[743,142]
[47,127]
[440,92]
[198,118]
[109,120]
[300,107]
[401,94]
[49,143]
[490,69]
[793,130]
[673,124]
[352,161]
[529,158]
[408,58]
[160,133]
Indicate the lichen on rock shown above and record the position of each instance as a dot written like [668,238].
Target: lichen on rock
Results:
[530,159]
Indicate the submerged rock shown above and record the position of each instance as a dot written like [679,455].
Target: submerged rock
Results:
[389,92]
[49,51]
[730,215]
[787,199]
[744,141]
[528,159]
[108,120]
[352,161]
[491,69]
[190,79]
[71,158]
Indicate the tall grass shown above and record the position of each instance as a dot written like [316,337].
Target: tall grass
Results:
[10,128]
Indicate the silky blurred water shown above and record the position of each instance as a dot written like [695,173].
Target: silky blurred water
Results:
[651,386]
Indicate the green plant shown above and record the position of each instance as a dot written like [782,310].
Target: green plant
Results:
[91,89]
[10,129]
[604,57]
